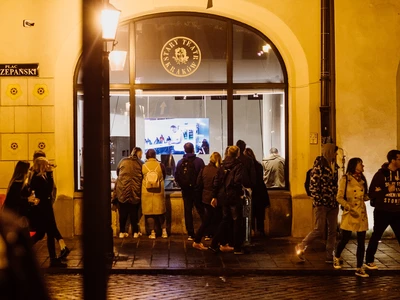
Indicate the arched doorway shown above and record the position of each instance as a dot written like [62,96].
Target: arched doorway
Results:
[193,77]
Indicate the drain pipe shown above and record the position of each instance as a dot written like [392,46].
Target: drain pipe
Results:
[328,107]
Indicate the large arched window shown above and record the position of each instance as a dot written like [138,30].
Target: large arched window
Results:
[196,78]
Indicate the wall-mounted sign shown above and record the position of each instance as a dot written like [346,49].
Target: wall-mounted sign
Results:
[180,56]
[19,70]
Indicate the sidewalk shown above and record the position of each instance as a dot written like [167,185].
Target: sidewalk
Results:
[175,255]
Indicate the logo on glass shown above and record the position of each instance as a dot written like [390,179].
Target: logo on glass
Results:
[180,56]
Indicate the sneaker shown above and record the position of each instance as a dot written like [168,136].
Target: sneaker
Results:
[336,263]
[57,263]
[190,238]
[123,235]
[152,235]
[361,272]
[207,238]
[164,234]
[137,235]
[299,252]
[371,266]
[199,246]
[226,248]
[64,252]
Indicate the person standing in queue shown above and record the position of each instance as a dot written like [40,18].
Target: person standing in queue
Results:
[187,171]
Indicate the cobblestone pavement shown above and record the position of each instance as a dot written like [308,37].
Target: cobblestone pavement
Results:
[176,255]
[165,287]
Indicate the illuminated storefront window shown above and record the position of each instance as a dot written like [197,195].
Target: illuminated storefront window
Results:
[182,71]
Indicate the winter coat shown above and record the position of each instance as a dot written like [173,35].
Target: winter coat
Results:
[128,185]
[205,182]
[354,217]
[260,197]
[198,165]
[153,201]
[324,183]
[16,199]
[384,200]
[249,174]
[228,183]
[274,171]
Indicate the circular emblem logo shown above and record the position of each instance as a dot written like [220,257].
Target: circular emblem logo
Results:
[180,56]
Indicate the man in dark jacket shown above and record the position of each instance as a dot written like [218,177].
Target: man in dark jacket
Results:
[187,171]
[249,176]
[323,187]
[385,194]
[228,194]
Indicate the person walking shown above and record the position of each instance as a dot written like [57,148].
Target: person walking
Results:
[227,193]
[153,195]
[18,191]
[323,187]
[64,250]
[274,170]
[384,193]
[187,171]
[259,197]
[352,195]
[127,190]
[205,183]
[41,184]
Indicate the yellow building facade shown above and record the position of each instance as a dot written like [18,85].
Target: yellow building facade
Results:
[39,112]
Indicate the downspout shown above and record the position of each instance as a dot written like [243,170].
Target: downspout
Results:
[328,106]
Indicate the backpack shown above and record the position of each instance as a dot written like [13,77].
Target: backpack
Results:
[187,173]
[307,182]
[151,179]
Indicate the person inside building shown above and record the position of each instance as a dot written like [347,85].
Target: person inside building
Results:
[187,171]
[259,197]
[274,170]
[153,195]
[352,195]
[205,183]
[64,252]
[384,193]
[127,191]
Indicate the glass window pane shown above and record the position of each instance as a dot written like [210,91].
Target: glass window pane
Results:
[253,58]
[180,49]
[118,75]
[165,121]
[262,127]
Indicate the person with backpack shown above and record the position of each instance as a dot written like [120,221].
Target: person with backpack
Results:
[351,196]
[323,189]
[227,194]
[127,191]
[187,171]
[153,197]
[205,183]
[384,193]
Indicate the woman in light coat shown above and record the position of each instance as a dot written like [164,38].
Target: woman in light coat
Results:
[352,195]
[153,196]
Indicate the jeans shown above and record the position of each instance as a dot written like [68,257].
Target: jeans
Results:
[212,218]
[232,216]
[45,225]
[382,219]
[132,210]
[323,215]
[191,197]
[346,235]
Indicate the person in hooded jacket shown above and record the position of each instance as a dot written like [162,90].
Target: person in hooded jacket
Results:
[259,197]
[323,187]
[127,191]
[205,183]
[227,193]
[384,193]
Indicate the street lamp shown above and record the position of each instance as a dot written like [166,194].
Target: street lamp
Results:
[109,21]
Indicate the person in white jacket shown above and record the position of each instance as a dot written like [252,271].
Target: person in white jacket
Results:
[352,195]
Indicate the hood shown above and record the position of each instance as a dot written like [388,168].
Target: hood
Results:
[329,152]
[230,162]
